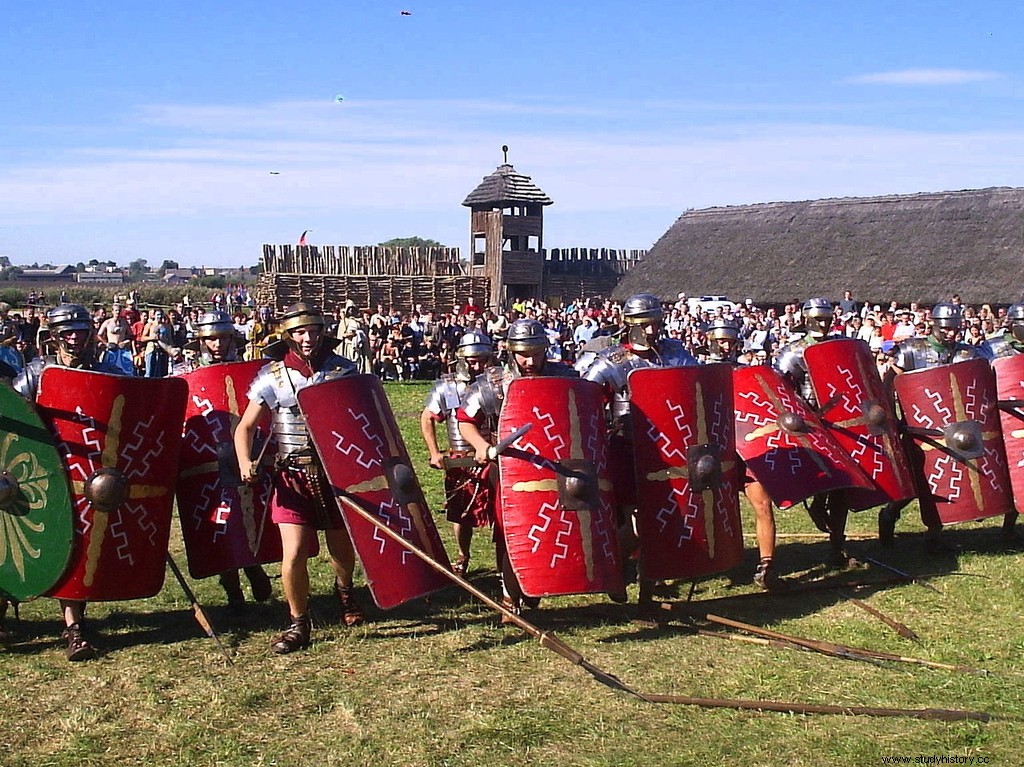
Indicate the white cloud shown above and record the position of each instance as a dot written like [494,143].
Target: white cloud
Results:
[925,77]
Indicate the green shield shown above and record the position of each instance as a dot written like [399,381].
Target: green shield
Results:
[36,526]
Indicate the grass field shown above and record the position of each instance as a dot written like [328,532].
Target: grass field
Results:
[442,684]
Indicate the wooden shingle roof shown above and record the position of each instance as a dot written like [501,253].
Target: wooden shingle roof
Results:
[919,247]
[506,185]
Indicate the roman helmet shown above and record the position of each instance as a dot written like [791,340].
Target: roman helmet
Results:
[62,321]
[723,328]
[471,344]
[526,336]
[300,315]
[641,311]
[946,316]
[817,316]
[214,323]
[1015,316]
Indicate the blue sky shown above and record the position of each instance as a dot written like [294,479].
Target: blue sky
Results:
[198,131]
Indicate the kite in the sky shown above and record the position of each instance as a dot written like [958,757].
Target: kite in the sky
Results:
[275,173]
[302,239]
[406,13]
[338,99]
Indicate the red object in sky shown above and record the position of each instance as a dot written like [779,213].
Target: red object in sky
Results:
[302,239]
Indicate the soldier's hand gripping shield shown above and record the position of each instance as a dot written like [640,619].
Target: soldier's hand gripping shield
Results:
[784,443]
[684,449]
[857,413]
[36,526]
[119,438]
[366,462]
[556,511]
[225,524]
[951,413]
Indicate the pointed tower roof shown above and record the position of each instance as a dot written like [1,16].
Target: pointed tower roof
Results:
[506,185]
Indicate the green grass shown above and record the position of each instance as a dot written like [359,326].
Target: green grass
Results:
[442,684]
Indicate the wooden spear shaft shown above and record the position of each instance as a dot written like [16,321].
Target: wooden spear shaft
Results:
[553,643]
[838,650]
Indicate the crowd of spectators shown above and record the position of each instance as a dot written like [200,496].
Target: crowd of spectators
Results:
[420,344]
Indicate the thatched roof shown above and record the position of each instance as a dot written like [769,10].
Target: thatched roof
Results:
[506,185]
[919,247]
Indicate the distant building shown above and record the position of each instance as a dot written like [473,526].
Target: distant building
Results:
[60,273]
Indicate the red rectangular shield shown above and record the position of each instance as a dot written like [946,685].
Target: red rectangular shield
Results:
[1010,390]
[556,513]
[225,525]
[130,426]
[362,451]
[859,416]
[684,450]
[936,403]
[784,443]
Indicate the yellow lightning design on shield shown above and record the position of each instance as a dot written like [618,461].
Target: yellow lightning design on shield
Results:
[551,485]
[708,495]
[772,428]
[108,460]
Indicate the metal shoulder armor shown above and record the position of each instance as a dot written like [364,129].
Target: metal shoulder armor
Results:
[27,381]
[445,397]
[611,367]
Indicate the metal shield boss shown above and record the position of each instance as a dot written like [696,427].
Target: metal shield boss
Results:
[36,525]
[354,432]
[857,413]
[684,449]
[119,438]
[556,511]
[225,524]
[784,444]
[952,416]
[1010,390]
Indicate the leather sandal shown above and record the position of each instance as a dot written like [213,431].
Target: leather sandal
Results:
[295,637]
[351,613]
[513,607]
[78,648]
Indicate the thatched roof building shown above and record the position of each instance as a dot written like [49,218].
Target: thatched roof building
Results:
[919,247]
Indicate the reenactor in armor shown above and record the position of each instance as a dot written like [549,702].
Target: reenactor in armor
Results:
[1011,342]
[940,347]
[527,345]
[644,346]
[829,510]
[724,346]
[302,502]
[73,344]
[468,491]
[218,340]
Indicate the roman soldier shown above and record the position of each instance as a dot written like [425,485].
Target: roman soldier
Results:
[940,347]
[527,344]
[644,346]
[828,510]
[302,502]
[218,341]
[73,344]
[468,490]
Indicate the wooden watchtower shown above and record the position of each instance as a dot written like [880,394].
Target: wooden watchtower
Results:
[507,234]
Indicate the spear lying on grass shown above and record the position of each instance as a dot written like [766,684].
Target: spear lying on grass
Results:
[838,650]
[551,642]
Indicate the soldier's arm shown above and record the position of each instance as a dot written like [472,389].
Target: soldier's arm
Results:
[472,434]
[427,423]
[244,432]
